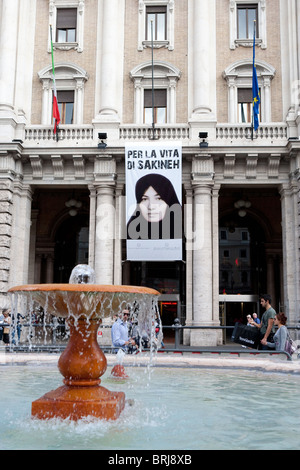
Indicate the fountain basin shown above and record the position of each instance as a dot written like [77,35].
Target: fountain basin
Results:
[83,362]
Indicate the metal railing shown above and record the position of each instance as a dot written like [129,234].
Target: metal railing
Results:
[16,346]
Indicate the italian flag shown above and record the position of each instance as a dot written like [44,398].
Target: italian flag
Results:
[56,115]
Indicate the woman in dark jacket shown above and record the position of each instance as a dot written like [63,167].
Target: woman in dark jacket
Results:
[158,212]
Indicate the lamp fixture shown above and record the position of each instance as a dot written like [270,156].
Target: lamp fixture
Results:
[242,205]
[203,135]
[73,205]
[102,136]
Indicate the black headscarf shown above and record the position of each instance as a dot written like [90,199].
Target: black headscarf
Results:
[168,228]
[162,186]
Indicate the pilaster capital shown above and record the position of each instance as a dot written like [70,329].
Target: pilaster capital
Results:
[105,169]
[202,168]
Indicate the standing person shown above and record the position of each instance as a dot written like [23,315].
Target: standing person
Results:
[1,327]
[7,322]
[255,318]
[281,334]
[119,332]
[266,326]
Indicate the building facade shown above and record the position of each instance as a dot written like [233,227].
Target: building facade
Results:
[136,70]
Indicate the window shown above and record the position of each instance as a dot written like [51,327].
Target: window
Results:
[160,106]
[245,104]
[165,77]
[242,13]
[245,236]
[65,100]
[70,80]
[223,235]
[239,81]
[161,12]
[157,15]
[246,14]
[66,22]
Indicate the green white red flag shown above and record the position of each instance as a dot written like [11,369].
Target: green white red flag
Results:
[55,112]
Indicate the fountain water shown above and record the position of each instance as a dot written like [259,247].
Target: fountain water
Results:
[82,363]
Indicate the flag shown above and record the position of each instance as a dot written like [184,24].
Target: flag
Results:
[255,89]
[55,112]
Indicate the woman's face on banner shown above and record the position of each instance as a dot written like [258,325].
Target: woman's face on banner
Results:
[153,207]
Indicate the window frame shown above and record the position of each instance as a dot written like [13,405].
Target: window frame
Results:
[64,26]
[156,10]
[239,75]
[156,108]
[143,42]
[261,24]
[79,5]
[248,105]
[165,77]
[247,7]
[68,77]
[62,106]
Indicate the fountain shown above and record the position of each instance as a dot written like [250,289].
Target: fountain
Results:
[82,363]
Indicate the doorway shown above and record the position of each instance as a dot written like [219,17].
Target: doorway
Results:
[168,310]
[71,246]
[234,309]
[250,244]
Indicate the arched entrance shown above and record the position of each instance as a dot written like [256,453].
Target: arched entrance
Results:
[250,251]
[59,233]
[71,246]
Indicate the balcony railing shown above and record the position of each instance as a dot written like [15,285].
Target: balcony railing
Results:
[224,134]
[43,134]
[132,132]
[238,132]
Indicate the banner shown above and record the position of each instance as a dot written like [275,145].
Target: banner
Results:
[154,201]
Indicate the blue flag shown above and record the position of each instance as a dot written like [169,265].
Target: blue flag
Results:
[255,89]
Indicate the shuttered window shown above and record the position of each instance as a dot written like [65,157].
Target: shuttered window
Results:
[246,14]
[66,23]
[65,100]
[158,16]
[160,106]
[245,104]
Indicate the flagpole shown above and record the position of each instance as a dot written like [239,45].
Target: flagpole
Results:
[252,121]
[152,83]
[56,127]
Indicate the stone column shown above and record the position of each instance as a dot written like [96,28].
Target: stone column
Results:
[6,197]
[188,232]
[202,67]
[109,78]
[49,267]
[8,56]
[203,258]
[215,251]
[290,239]
[290,52]
[105,169]
[104,242]
[119,216]
[32,249]
[8,64]
[21,222]
[92,226]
